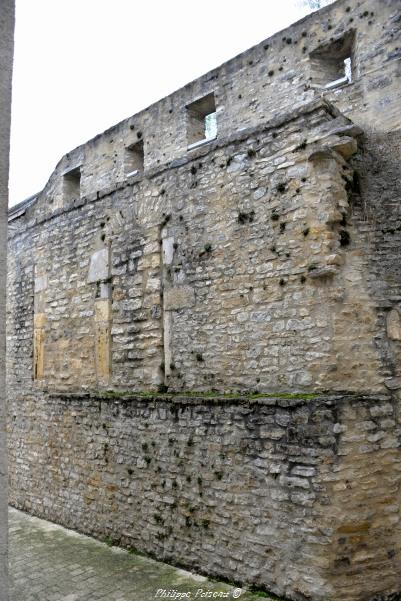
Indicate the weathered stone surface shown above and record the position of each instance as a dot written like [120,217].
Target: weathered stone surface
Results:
[393,383]
[252,289]
[311,511]
[99,266]
[40,283]
[394,325]
[179,297]
[265,259]
[168,250]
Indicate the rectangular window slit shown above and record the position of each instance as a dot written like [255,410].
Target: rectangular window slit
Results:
[134,159]
[201,120]
[332,64]
[72,184]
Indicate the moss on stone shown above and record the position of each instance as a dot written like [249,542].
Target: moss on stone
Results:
[206,394]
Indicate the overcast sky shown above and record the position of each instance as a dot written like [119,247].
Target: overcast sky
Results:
[82,65]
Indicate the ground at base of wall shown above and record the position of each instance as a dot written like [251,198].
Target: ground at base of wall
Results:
[51,563]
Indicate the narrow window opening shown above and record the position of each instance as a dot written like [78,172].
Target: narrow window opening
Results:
[72,184]
[211,126]
[332,64]
[202,120]
[134,159]
[348,68]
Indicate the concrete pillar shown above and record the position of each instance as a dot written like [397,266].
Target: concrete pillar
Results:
[6,59]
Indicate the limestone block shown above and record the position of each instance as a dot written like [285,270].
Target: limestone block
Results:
[346,146]
[102,351]
[179,298]
[335,259]
[99,268]
[168,250]
[393,383]
[151,247]
[102,310]
[105,290]
[40,283]
[320,154]
[394,325]
[323,271]
[153,284]
[149,262]
[39,320]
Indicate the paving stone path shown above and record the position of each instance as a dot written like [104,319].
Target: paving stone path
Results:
[50,563]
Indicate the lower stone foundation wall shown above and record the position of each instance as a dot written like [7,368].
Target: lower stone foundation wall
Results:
[300,496]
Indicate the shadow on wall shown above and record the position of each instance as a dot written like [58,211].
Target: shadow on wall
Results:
[377,208]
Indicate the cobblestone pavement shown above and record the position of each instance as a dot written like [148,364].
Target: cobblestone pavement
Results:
[50,563]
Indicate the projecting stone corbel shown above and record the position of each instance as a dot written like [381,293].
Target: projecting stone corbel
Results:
[345,146]
[321,153]
[329,204]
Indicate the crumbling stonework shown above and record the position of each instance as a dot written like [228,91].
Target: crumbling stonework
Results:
[264,258]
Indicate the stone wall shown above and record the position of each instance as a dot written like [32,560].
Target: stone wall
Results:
[245,262]
[257,265]
[265,259]
[300,496]
[270,79]
[234,271]
[376,214]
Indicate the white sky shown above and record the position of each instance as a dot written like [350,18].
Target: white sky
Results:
[81,66]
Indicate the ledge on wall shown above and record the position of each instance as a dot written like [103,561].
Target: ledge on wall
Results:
[270,398]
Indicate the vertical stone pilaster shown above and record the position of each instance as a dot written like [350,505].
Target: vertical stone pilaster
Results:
[39,347]
[39,322]
[99,274]
[103,334]
[167,244]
